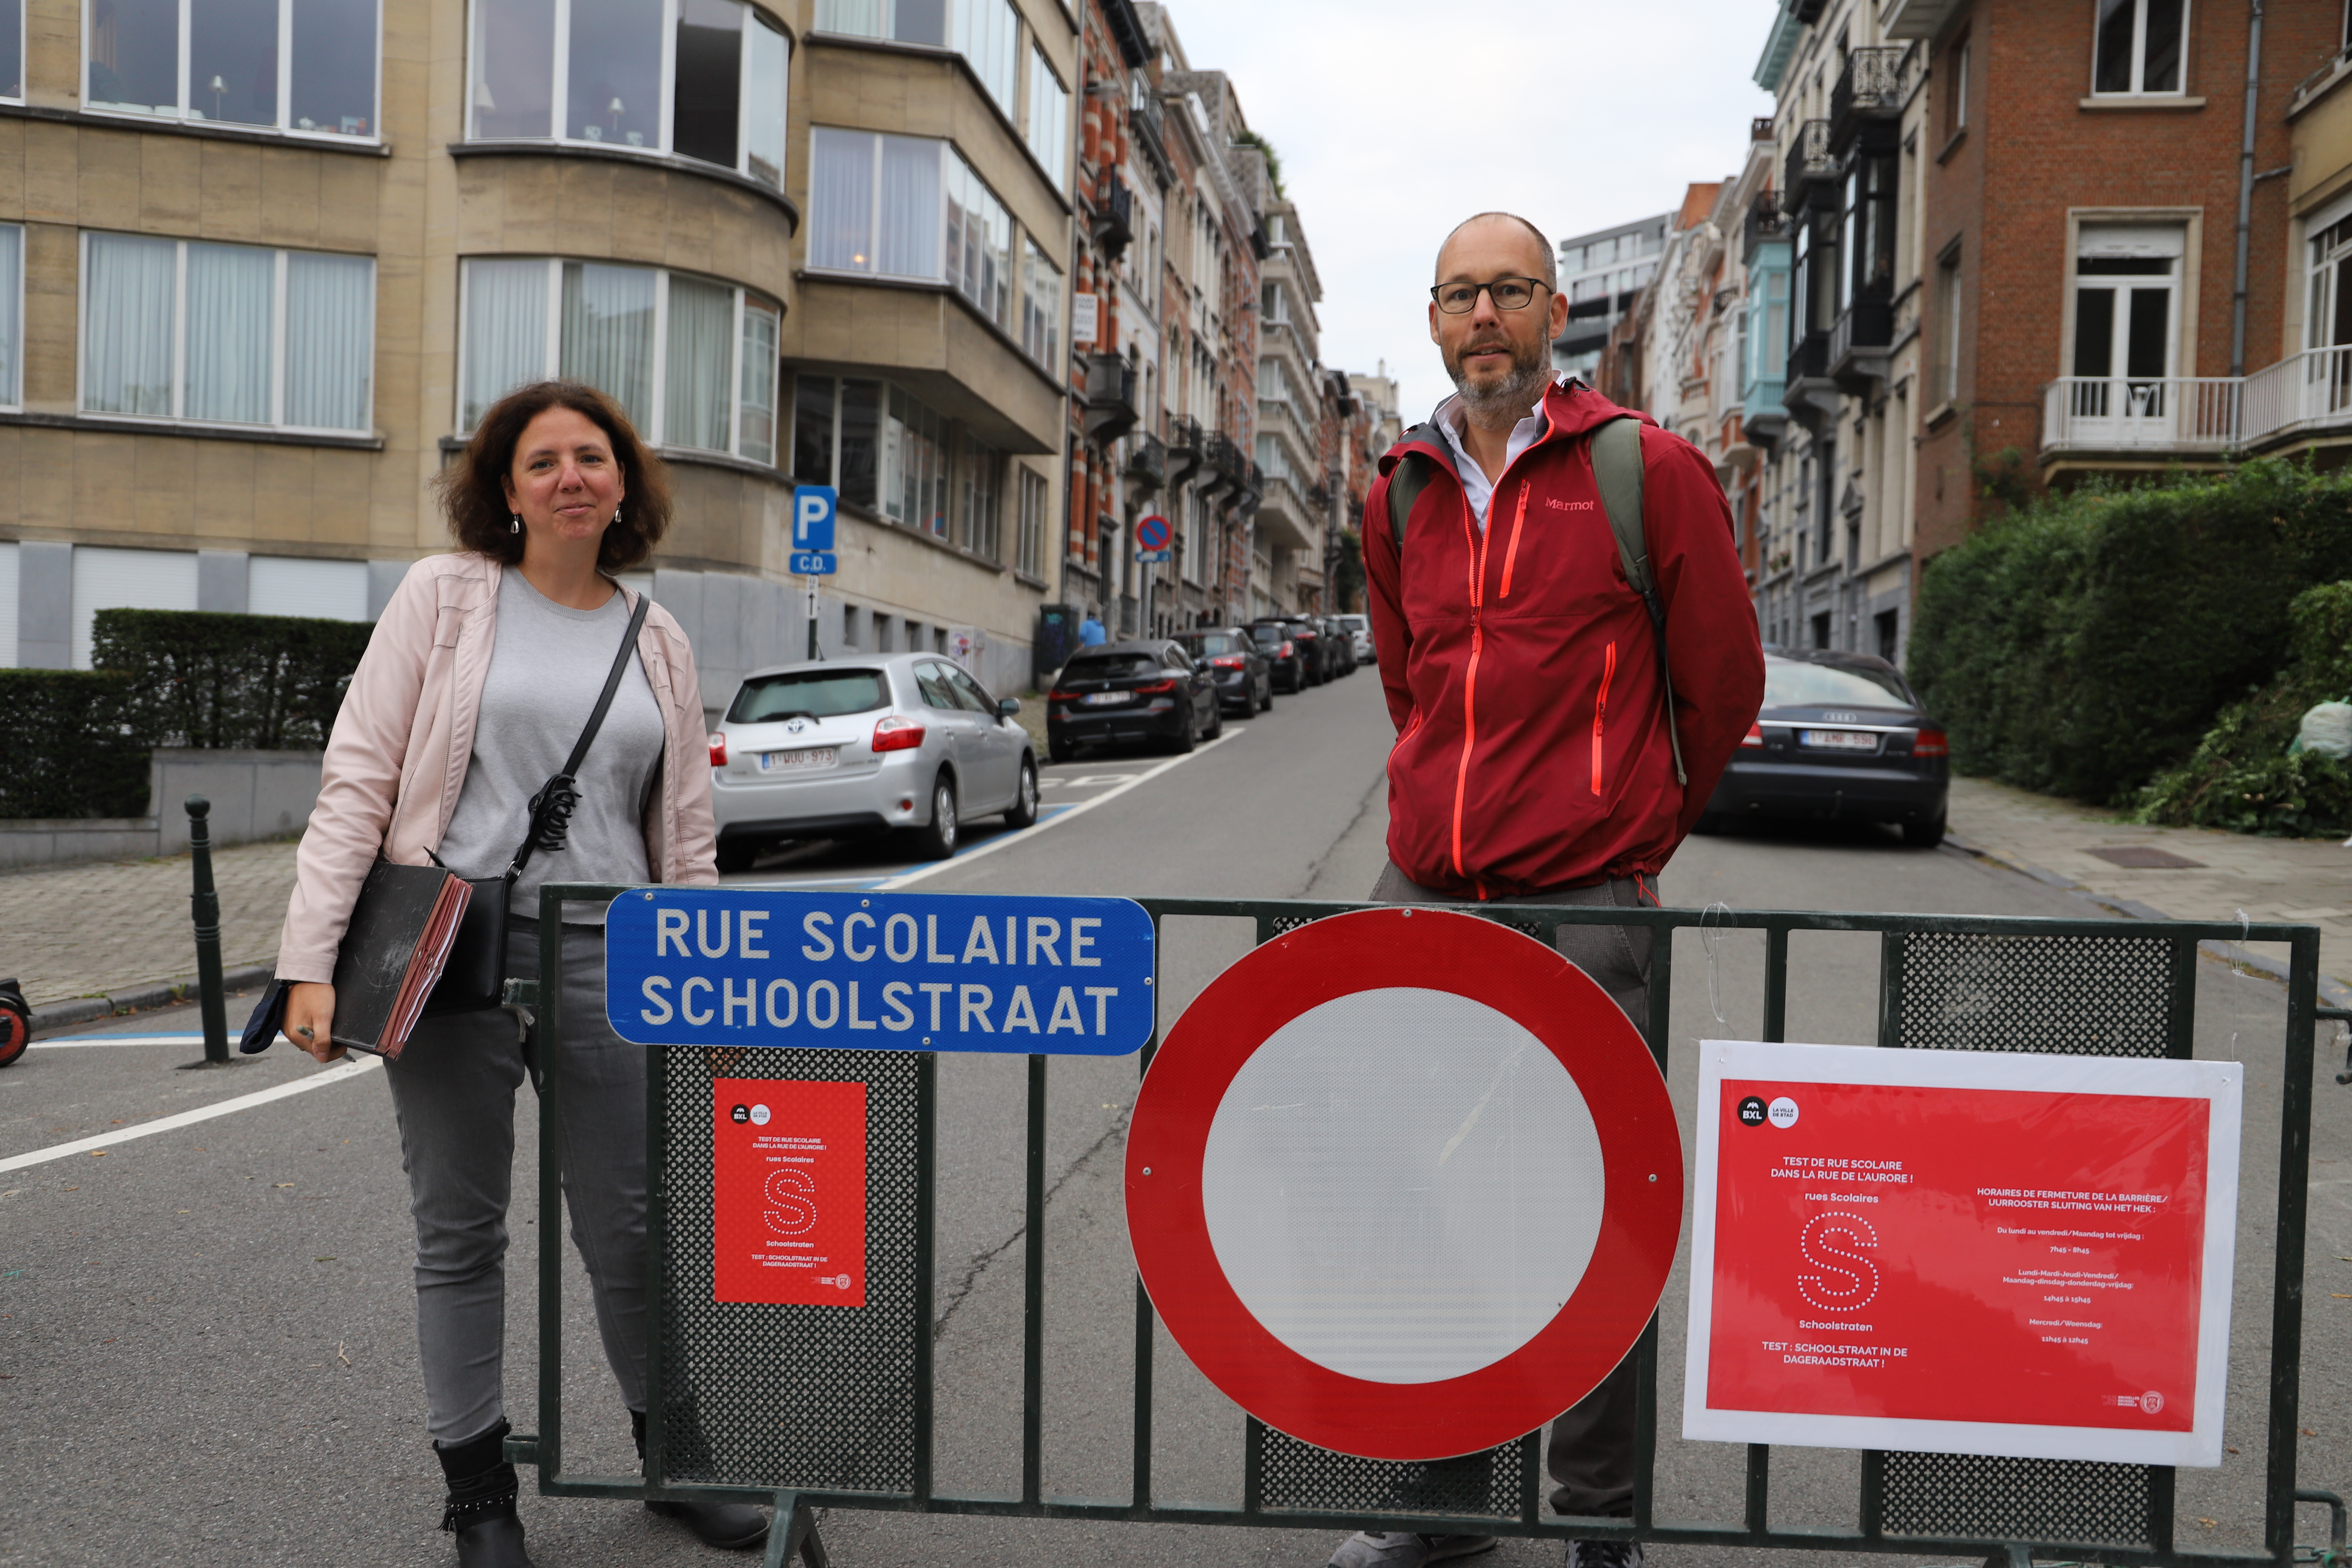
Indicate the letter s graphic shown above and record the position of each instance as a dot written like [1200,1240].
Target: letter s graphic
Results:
[791,1197]
[1846,1286]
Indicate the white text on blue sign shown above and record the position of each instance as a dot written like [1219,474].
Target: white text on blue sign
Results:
[897,971]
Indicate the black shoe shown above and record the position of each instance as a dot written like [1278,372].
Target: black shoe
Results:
[731,1526]
[480,1511]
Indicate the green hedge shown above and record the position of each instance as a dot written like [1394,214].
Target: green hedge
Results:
[220,681]
[2084,642]
[2240,777]
[72,749]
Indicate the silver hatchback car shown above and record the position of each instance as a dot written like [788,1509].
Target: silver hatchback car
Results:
[836,749]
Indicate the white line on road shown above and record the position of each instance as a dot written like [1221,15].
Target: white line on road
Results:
[118,1040]
[1079,809]
[357,1067]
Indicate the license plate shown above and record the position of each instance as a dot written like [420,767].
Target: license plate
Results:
[1104,699]
[1838,739]
[790,761]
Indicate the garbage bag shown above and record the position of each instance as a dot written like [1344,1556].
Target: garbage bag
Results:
[2326,729]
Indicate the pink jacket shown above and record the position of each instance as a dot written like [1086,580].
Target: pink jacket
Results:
[398,756]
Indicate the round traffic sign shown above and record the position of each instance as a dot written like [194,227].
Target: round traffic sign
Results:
[1152,534]
[1404,1183]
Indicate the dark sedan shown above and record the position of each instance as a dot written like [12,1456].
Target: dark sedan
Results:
[1313,670]
[1149,691]
[1285,664]
[1841,736]
[1245,678]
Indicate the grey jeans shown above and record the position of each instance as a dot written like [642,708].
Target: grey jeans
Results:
[453,1089]
[1591,1454]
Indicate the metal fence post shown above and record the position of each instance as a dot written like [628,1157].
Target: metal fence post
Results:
[205,904]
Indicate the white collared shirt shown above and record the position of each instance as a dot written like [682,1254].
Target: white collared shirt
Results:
[1475,486]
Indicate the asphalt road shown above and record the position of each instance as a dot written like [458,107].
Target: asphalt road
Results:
[206,1350]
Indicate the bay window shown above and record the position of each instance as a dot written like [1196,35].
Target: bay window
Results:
[909,206]
[1049,118]
[700,78]
[887,452]
[986,32]
[2139,46]
[690,361]
[303,66]
[12,315]
[1866,233]
[227,335]
[1041,305]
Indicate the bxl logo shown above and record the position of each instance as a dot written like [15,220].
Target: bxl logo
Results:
[812,512]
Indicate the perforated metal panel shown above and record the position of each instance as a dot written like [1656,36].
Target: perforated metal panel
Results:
[790,1396]
[2072,996]
[1300,1477]
[1975,1497]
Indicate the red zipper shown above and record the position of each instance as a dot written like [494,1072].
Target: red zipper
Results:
[1476,549]
[1511,555]
[1600,709]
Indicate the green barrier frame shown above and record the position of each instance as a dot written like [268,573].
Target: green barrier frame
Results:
[1989,982]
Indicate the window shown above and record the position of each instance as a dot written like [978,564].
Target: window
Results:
[12,315]
[227,335]
[1029,556]
[1041,305]
[980,470]
[1943,374]
[1867,229]
[2139,46]
[12,51]
[692,362]
[986,32]
[306,67]
[889,452]
[908,206]
[1955,95]
[602,71]
[1049,118]
[2326,324]
[980,243]
[2126,293]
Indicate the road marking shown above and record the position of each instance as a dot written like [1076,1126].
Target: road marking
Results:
[1067,812]
[118,1040]
[1085,781]
[357,1067]
[1046,816]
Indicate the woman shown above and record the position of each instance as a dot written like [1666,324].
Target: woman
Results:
[475,688]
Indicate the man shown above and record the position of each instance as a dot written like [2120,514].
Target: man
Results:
[1090,630]
[1534,761]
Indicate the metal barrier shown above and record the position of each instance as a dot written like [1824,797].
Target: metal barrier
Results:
[811,1408]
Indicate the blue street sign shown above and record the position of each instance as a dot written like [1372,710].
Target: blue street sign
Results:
[880,972]
[1152,555]
[813,509]
[816,563]
[1151,533]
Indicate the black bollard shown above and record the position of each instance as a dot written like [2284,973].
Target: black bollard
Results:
[205,905]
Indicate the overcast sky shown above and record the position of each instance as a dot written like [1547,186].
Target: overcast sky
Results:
[1576,113]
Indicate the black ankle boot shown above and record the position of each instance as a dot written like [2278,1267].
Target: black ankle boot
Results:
[735,1526]
[481,1511]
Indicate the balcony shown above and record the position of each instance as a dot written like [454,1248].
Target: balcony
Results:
[1285,519]
[1111,410]
[2122,415]
[2301,395]
[1810,165]
[1858,344]
[1763,224]
[1869,91]
[1146,463]
[1113,224]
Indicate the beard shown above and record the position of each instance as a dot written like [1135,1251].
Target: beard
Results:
[1514,394]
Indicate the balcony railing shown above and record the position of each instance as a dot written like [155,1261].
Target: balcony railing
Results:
[1110,404]
[1760,129]
[2170,413]
[1114,218]
[1872,87]
[2308,389]
[1146,460]
[1808,164]
[1763,224]
[1865,329]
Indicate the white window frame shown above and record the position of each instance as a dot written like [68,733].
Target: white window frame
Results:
[2139,53]
[956,26]
[276,421]
[938,270]
[1057,157]
[650,421]
[12,398]
[182,112]
[559,91]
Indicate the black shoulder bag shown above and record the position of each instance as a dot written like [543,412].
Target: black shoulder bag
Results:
[474,979]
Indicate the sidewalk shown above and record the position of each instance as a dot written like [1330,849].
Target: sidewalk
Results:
[2181,873]
[123,929]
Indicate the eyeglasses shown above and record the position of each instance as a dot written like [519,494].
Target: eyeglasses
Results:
[1509,294]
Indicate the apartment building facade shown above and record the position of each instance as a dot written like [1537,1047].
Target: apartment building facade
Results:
[1295,405]
[1602,273]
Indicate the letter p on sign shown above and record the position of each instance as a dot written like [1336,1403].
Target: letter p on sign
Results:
[813,509]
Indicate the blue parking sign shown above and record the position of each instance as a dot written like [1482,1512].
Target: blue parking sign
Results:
[815,563]
[812,511]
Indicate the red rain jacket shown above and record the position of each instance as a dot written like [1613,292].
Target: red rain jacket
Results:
[1522,671]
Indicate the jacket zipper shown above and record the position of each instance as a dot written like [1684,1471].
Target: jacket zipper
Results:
[1600,710]
[1511,555]
[1476,548]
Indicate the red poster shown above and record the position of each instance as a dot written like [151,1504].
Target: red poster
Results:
[1926,1263]
[789,1161]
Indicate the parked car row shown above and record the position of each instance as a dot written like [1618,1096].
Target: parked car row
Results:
[911,743]
[1176,692]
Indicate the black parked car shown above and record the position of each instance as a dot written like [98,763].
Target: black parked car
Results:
[1245,678]
[1147,690]
[1303,636]
[1339,645]
[1841,735]
[1285,666]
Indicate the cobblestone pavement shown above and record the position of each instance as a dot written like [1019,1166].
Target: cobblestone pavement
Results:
[2219,874]
[96,930]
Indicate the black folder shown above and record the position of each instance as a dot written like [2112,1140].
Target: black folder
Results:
[400,930]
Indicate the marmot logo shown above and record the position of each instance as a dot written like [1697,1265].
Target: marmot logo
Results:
[1559,505]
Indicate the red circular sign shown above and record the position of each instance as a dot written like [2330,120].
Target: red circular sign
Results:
[1151,533]
[1405,967]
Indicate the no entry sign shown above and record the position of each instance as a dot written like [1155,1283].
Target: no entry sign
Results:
[1963,1252]
[1404,1183]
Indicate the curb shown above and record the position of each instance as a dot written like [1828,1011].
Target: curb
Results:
[2332,993]
[162,994]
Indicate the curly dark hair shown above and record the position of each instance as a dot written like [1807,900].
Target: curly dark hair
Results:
[473,488]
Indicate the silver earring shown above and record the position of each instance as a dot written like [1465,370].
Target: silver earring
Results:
[514,523]
[616,514]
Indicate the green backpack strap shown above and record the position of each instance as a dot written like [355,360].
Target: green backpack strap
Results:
[1406,483]
[1617,471]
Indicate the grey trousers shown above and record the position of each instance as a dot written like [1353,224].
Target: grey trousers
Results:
[453,1089]
[1591,1454]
